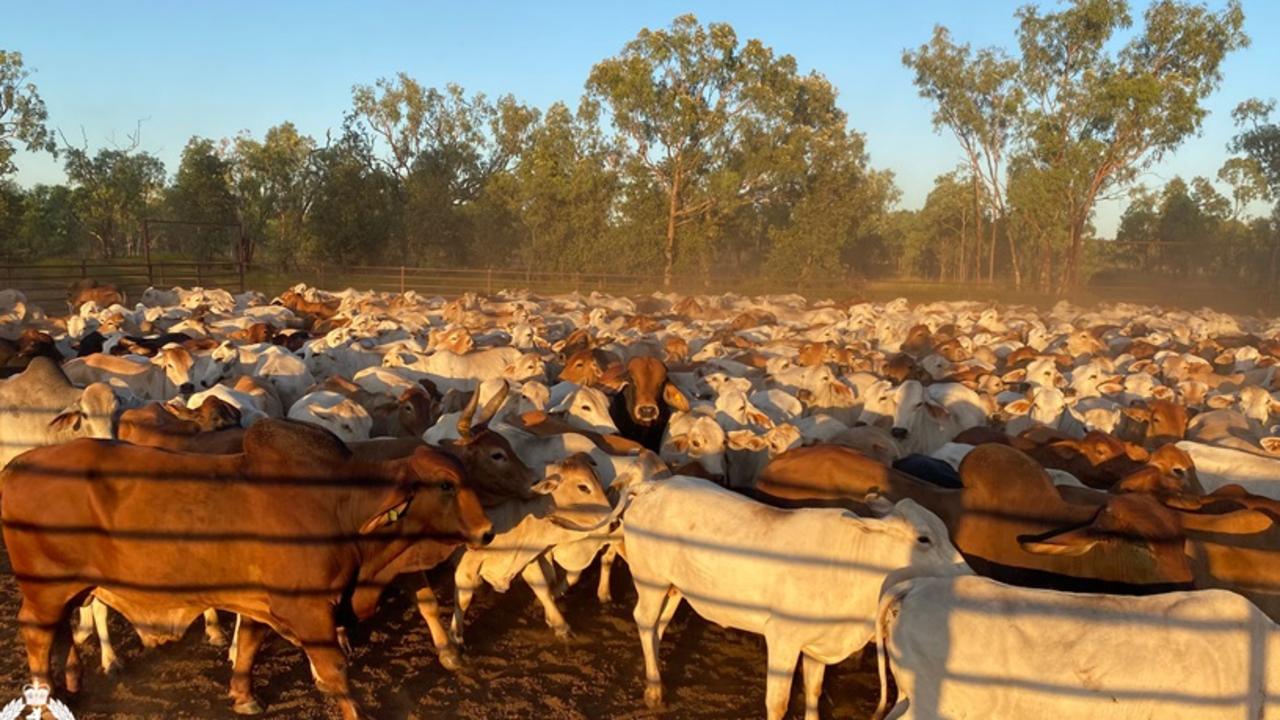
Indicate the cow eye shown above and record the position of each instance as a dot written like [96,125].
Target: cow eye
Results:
[582,488]
[697,443]
[586,407]
[498,456]
[924,540]
[447,488]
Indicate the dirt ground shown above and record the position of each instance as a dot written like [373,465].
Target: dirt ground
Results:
[515,667]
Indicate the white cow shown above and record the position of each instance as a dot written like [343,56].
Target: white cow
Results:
[335,412]
[970,647]
[39,406]
[926,418]
[1217,466]
[570,506]
[132,373]
[808,580]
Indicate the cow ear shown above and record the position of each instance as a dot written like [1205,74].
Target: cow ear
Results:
[937,412]
[759,418]
[680,442]
[1219,402]
[1111,387]
[1015,376]
[675,398]
[1071,544]
[1271,444]
[1018,407]
[68,421]
[1163,392]
[392,509]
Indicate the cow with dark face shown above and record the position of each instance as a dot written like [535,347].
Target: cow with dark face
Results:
[643,407]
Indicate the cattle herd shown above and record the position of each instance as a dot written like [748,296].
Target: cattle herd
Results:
[1030,512]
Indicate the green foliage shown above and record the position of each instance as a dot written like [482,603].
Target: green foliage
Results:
[1259,142]
[270,180]
[49,226]
[113,191]
[23,117]
[354,211]
[714,124]
[201,193]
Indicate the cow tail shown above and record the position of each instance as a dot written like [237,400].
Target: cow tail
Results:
[890,607]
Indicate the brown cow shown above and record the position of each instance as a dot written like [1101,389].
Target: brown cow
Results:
[1007,496]
[90,290]
[155,425]
[641,410]
[293,534]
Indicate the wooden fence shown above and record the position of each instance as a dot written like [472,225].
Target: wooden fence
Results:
[46,284]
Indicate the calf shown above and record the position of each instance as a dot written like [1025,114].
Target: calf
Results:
[808,580]
[643,407]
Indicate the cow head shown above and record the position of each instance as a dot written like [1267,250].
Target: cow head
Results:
[647,389]
[577,497]
[431,498]
[1144,536]
[417,410]
[498,473]
[94,415]
[926,536]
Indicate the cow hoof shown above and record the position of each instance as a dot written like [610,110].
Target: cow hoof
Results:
[563,633]
[250,707]
[451,659]
[653,696]
[218,640]
[113,669]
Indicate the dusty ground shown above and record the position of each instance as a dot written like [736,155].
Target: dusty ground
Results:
[515,667]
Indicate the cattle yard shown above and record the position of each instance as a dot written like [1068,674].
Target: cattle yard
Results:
[632,505]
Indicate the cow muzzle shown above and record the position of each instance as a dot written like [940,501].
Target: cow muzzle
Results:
[186,388]
[482,541]
[646,413]
[899,433]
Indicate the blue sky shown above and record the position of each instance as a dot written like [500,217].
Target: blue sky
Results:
[217,68]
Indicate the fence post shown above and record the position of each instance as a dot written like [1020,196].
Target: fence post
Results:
[151,280]
[199,275]
[84,268]
[401,279]
[240,270]
[320,274]
[577,282]
[488,281]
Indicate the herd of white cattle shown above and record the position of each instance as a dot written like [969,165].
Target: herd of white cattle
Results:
[818,583]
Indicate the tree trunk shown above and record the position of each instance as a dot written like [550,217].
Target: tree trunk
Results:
[1072,277]
[673,210]
[991,250]
[1046,263]
[977,230]
[1013,259]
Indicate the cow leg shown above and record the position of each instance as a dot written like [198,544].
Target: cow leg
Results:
[329,667]
[465,581]
[235,641]
[649,605]
[535,573]
[429,609]
[782,667]
[110,662]
[603,592]
[813,673]
[42,614]
[85,626]
[249,635]
[213,629]
[669,608]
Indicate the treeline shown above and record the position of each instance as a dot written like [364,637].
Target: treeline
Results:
[692,152]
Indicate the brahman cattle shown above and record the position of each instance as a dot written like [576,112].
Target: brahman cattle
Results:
[166,535]
[808,580]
